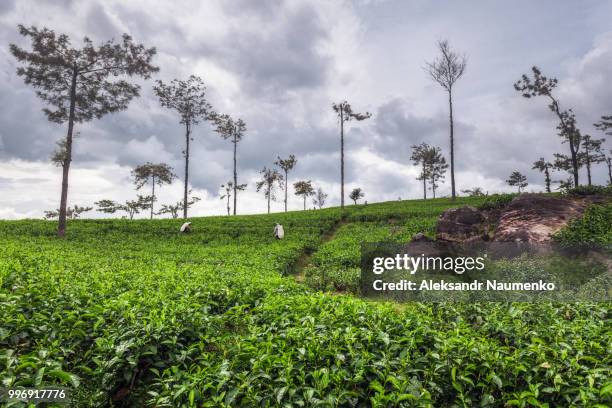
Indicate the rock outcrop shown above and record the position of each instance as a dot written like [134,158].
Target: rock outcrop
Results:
[535,217]
[527,218]
[460,224]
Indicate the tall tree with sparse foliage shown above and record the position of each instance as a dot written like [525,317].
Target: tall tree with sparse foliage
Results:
[304,189]
[80,84]
[609,164]
[159,174]
[540,85]
[446,70]
[356,195]
[233,130]
[433,166]
[544,167]
[438,168]
[228,188]
[591,154]
[188,99]
[270,179]
[419,158]
[286,165]
[345,113]
[517,180]
[320,198]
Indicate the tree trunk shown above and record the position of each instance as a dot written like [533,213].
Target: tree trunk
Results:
[341,157]
[61,229]
[588,166]
[609,162]
[269,194]
[235,174]
[573,150]
[424,183]
[554,106]
[152,197]
[547,179]
[286,188]
[452,144]
[228,205]
[304,202]
[186,191]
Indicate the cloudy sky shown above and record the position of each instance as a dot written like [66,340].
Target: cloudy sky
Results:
[279,65]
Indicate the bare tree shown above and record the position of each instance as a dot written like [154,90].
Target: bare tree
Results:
[188,99]
[356,195]
[446,70]
[518,180]
[304,189]
[270,178]
[286,165]
[543,86]
[159,174]
[591,153]
[80,84]
[320,198]
[234,130]
[544,166]
[345,114]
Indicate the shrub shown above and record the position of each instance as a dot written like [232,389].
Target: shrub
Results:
[496,201]
[595,227]
[582,191]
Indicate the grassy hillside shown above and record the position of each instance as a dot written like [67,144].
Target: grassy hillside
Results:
[131,313]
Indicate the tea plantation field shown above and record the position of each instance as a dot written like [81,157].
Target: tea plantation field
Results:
[131,313]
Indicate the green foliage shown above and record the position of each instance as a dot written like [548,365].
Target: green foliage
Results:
[136,311]
[594,227]
[496,201]
[590,190]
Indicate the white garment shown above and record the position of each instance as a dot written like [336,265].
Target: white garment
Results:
[279,232]
[186,227]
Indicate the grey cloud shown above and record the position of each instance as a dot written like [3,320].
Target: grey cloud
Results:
[279,54]
[6,6]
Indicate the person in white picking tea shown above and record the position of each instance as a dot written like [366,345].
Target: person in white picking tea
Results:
[279,232]
[186,227]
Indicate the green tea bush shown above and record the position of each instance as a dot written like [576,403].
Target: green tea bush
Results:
[594,227]
[135,314]
[496,201]
[582,191]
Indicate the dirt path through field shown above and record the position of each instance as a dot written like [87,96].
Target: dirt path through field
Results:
[304,260]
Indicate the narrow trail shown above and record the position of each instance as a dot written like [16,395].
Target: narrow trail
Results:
[298,267]
[297,270]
